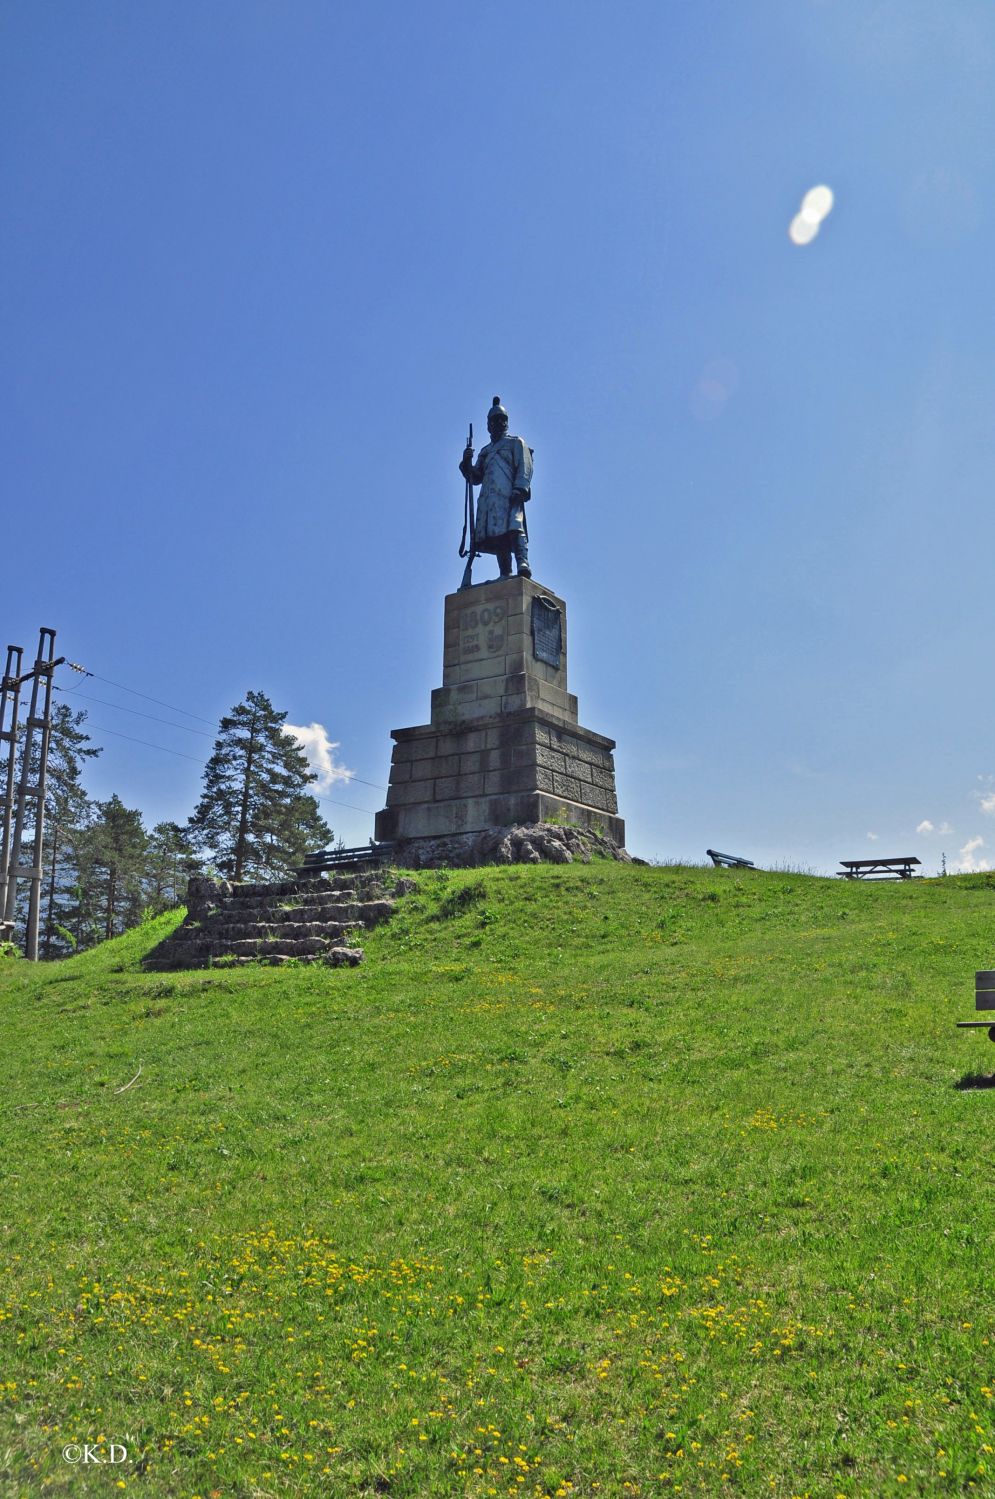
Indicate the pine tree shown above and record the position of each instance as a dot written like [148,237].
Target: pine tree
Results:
[79,925]
[255,816]
[68,813]
[114,862]
[170,860]
[67,816]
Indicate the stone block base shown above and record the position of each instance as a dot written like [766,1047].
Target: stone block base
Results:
[520,767]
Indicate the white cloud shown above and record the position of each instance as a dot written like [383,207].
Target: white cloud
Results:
[873,836]
[968,864]
[988,803]
[925,826]
[320,751]
[944,828]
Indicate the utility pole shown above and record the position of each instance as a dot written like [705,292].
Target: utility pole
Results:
[10,691]
[41,672]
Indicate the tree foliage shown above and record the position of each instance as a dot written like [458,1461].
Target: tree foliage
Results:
[170,860]
[255,817]
[68,815]
[114,856]
[103,870]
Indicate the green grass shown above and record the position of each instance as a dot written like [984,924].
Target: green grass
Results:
[593,1181]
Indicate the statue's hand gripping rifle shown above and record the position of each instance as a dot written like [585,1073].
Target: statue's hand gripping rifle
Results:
[469,522]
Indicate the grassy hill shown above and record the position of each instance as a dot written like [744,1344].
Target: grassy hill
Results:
[591,1181]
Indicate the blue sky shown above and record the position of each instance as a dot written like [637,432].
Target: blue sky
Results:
[263,262]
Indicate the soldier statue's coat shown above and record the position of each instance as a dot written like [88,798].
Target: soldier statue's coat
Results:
[504,472]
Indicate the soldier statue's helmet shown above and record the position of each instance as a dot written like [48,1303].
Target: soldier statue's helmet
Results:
[496,413]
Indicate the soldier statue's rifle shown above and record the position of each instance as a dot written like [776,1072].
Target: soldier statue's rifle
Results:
[469,523]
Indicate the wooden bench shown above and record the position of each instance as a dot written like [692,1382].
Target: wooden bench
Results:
[984,999]
[877,869]
[728,861]
[345,858]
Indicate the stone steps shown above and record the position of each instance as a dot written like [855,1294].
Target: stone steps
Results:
[246,947]
[316,905]
[369,912]
[305,920]
[335,957]
[261,931]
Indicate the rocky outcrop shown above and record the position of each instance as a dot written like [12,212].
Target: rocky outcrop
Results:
[312,920]
[535,843]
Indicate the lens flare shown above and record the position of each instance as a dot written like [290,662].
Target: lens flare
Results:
[816,203]
[802,231]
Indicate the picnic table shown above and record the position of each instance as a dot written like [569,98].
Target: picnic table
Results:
[878,869]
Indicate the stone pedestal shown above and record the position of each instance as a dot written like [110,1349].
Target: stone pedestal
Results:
[504,745]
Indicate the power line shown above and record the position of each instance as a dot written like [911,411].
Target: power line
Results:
[158,701]
[137,713]
[180,755]
[147,742]
[332,801]
[119,708]
[347,775]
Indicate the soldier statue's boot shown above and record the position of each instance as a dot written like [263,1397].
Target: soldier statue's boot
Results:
[504,563]
[522,556]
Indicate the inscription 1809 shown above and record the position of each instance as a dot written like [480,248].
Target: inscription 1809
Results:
[482,631]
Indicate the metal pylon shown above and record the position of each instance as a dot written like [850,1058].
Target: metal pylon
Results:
[36,722]
[10,692]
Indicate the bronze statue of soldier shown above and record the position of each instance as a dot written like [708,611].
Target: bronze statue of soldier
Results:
[504,473]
